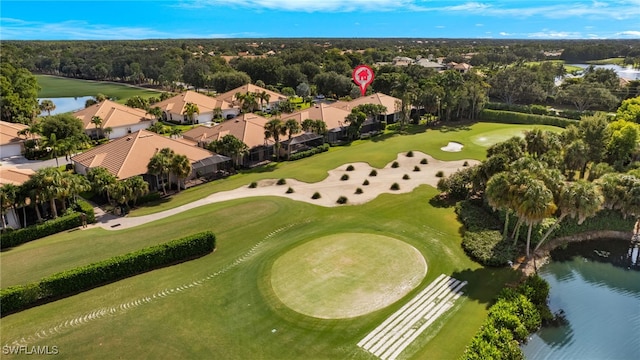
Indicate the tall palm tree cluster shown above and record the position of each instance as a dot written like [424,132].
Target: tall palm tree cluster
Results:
[230,146]
[48,189]
[121,192]
[166,163]
[543,176]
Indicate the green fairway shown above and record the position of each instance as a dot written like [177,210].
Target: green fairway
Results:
[378,152]
[53,87]
[488,138]
[231,305]
[346,275]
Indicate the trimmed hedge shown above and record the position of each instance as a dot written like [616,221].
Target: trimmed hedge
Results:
[509,117]
[488,247]
[303,154]
[13,238]
[66,283]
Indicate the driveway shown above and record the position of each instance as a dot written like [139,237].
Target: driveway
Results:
[21,162]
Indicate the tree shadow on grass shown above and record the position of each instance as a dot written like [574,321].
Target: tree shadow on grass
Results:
[484,284]
[261,169]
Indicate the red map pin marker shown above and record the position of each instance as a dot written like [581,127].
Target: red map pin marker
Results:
[363,77]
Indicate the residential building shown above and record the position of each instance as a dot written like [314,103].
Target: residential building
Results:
[11,143]
[174,108]
[121,119]
[129,155]
[11,175]
[249,128]
[274,97]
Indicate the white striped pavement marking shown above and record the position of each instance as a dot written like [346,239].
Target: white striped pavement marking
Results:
[400,329]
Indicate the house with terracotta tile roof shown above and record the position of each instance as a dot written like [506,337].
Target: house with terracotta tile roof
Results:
[14,176]
[174,108]
[391,116]
[249,128]
[274,97]
[129,155]
[11,143]
[120,118]
[333,116]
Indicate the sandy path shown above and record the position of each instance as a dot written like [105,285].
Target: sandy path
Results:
[330,188]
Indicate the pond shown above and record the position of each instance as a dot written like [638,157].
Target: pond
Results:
[600,298]
[66,104]
[625,72]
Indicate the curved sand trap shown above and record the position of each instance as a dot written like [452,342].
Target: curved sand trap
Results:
[329,189]
[346,275]
[452,147]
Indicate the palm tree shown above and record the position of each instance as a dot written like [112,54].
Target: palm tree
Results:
[175,131]
[190,109]
[230,146]
[157,128]
[581,199]
[49,181]
[53,144]
[320,127]
[273,129]
[292,127]
[107,131]
[100,179]
[47,105]
[217,113]
[160,164]
[535,205]
[8,199]
[156,112]
[308,125]
[498,195]
[181,168]
[537,142]
[97,121]
[138,187]
[263,97]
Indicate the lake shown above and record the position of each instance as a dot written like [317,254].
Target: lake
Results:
[66,104]
[601,301]
[625,72]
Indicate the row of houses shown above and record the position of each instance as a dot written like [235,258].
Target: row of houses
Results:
[131,146]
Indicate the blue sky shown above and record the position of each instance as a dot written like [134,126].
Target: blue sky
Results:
[104,20]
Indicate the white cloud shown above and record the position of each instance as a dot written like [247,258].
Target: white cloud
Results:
[551,34]
[76,29]
[502,33]
[632,33]
[307,5]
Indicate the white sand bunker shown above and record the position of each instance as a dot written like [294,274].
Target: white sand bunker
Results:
[452,147]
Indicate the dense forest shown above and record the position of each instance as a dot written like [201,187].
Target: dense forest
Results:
[506,71]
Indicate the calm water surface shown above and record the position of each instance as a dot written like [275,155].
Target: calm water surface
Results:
[601,301]
[66,104]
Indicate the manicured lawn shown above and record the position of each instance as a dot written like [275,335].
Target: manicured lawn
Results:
[53,86]
[223,305]
[616,61]
[378,152]
[233,312]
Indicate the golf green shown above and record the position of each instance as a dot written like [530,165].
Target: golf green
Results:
[346,275]
[489,138]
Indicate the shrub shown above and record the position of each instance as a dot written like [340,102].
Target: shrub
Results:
[342,200]
[316,195]
[475,217]
[440,174]
[373,172]
[410,154]
[395,164]
[508,117]
[85,207]
[253,185]
[358,191]
[365,182]
[350,168]
[150,197]
[465,164]
[63,284]
[416,168]
[289,191]
[50,227]
[395,186]
[303,154]
[344,177]
[488,247]
[281,181]
[424,161]
[405,177]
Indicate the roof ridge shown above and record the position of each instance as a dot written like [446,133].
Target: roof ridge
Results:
[133,143]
